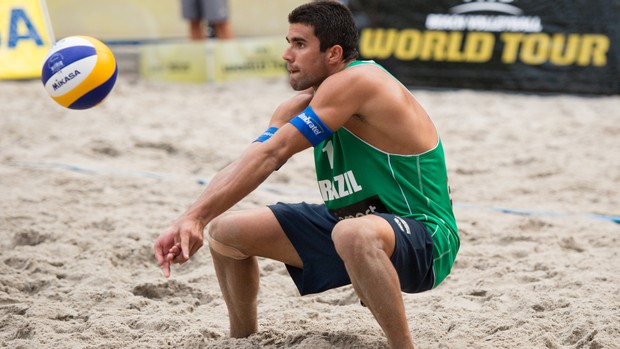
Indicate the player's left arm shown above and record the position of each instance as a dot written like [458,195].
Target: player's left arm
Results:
[290,108]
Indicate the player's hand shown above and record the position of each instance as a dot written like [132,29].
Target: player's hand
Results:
[291,107]
[178,243]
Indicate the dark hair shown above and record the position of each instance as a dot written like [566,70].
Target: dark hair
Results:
[333,25]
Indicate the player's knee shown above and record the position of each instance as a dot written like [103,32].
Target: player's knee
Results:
[352,235]
[225,249]
[219,230]
[216,226]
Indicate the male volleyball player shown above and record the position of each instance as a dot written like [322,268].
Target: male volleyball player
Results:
[386,224]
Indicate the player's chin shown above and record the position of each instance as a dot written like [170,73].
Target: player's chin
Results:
[298,84]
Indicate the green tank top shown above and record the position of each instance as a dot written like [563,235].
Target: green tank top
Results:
[356,179]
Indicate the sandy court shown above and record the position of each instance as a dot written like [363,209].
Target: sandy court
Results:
[535,181]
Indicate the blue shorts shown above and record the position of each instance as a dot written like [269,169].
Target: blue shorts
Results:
[309,228]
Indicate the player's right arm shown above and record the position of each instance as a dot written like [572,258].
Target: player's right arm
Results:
[186,235]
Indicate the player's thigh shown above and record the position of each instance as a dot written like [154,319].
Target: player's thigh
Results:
[255,232]
[368,230]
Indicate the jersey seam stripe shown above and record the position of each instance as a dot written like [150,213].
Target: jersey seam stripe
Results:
[449,241]
[420,183]
[435,231]
[441,255]
[397,183]
[446,235]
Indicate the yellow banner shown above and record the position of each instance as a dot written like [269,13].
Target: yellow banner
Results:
[174,62]
[213,60]
[250,58]
[25,38]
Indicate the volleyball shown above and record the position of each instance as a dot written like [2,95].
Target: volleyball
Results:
[79,72]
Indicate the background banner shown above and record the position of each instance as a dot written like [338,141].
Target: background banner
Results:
[213,60]
[528,45]
[25,38]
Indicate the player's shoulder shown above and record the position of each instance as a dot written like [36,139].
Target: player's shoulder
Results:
[356,77]
[364,69]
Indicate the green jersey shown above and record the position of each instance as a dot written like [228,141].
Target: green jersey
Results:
[356,179]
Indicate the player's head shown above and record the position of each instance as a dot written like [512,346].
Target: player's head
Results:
[333,25]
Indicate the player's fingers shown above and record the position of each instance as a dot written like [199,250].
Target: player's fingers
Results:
[197,245]
[159,253]
[166,268]
[185,239]
[175,250]
[179,259]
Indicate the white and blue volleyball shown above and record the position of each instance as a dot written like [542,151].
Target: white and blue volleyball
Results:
[79,72]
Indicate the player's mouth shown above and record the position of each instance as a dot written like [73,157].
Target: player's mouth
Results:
[292,71]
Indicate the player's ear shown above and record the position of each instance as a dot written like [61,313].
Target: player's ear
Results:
[334,54]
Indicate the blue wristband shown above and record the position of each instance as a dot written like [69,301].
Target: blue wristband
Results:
[311,126]
[266,135]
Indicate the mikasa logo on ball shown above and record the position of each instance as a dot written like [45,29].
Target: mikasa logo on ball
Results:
[59,83]
[55,62]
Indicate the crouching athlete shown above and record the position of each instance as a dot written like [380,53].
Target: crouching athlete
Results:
[386,225]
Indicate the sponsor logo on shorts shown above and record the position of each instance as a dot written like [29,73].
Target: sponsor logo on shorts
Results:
[361,208]
[402,225]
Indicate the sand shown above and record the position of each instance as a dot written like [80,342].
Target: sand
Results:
[84,195]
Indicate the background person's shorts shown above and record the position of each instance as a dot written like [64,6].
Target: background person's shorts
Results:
[212,11]
[309,228]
